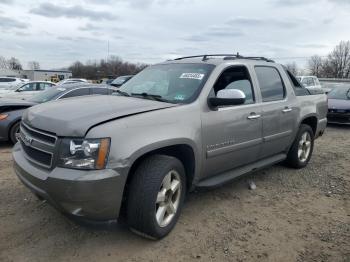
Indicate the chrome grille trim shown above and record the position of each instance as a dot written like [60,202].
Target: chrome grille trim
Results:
[35,161]
[35,148]
[40,132]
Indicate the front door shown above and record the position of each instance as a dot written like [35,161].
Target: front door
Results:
[232,136]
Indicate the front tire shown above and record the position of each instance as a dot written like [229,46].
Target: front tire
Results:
[300,153]
[13,132]
[155,196]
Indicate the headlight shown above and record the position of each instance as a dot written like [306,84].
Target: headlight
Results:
[84,153]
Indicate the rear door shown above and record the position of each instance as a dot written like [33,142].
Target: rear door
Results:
[278,112]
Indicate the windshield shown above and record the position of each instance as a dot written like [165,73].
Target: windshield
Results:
[47,95]
[342,93]
[173,83]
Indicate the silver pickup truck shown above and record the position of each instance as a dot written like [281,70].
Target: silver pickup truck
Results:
[193,122]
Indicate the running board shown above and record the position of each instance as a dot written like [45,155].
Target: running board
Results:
[227,176]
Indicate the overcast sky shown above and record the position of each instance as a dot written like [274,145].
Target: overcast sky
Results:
[58,32]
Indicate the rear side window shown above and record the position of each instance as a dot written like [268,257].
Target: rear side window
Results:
[77,92]
[100,91]
[299,90]
[270,82]
[4,80]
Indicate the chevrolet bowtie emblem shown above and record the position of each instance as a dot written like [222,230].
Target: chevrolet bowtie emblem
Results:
[27,140]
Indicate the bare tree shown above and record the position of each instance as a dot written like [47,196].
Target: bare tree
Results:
[3,63]
[114,67]
[315,65]
[14,64]
[293,68]
[339,60]
[33,65]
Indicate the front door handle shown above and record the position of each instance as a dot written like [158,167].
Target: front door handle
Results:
[253,116]
[287,109]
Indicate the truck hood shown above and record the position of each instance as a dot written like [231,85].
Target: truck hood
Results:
[75,116]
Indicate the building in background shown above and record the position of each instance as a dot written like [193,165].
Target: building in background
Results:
[38,74]
[46,75]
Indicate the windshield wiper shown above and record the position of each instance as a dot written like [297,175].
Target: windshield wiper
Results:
[150,96]
[122,93]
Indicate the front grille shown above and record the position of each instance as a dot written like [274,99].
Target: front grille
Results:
[42,136]
[37,156]
[38,145]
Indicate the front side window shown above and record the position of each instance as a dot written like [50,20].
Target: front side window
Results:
[173,83]
[27,87]
[236,78]
[270,82]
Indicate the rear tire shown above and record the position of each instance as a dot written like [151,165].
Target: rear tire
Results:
[300,153]
[155,196]
[13,131]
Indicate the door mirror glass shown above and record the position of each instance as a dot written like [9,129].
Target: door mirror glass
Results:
[228,97]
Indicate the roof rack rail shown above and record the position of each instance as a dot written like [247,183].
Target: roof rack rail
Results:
[226,57]
[206,57]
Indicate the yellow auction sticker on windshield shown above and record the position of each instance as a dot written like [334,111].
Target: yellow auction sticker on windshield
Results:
[192,76]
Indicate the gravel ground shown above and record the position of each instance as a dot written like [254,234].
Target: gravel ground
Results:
[292,215]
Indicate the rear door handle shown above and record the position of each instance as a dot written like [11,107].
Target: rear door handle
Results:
[287,109]
[253,116]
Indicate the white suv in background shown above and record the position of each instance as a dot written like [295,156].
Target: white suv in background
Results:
[10,81]
[25,89]
[310,82]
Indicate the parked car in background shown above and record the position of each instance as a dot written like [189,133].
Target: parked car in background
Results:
[339,105]
[329,86]
[25,90]
[310,82]
[121,80]
[72,81]
[187,123]
[11,110]
[6,82]
[107,81]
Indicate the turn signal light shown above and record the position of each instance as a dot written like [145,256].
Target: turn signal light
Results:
[3,116]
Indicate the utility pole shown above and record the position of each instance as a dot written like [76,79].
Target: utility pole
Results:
[107,51]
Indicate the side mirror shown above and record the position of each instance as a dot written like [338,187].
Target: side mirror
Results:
[227,97]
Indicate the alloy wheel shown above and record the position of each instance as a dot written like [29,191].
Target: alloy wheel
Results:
[304,147]
[168,198]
